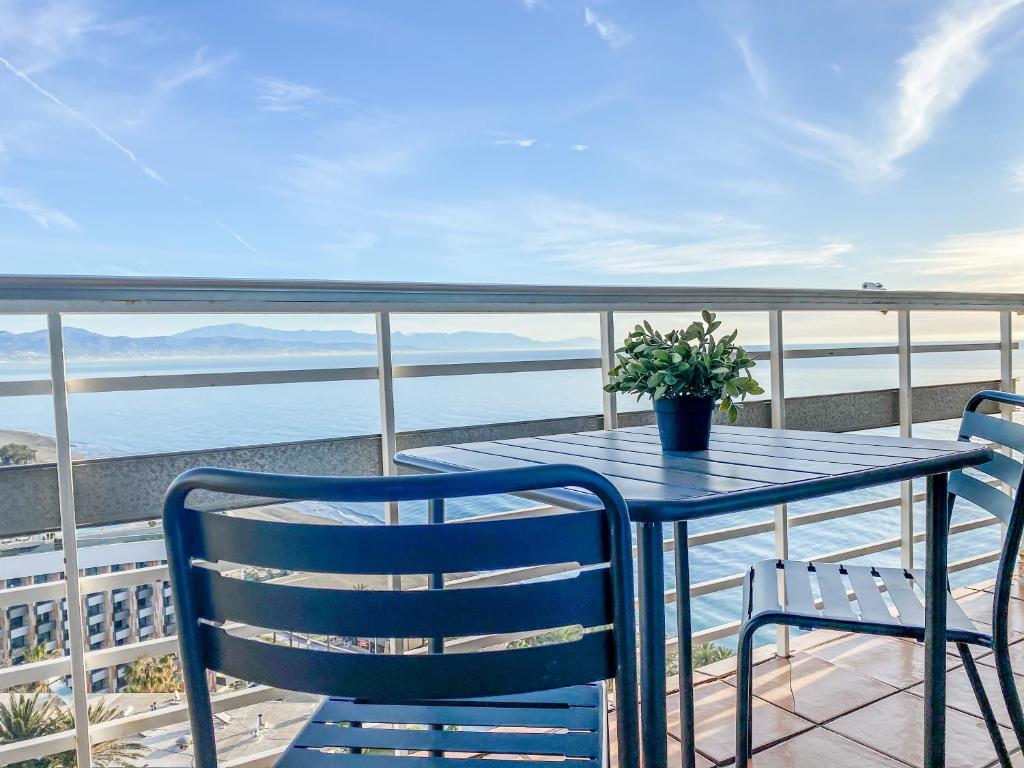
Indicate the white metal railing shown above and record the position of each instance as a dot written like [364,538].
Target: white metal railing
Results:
[56,297]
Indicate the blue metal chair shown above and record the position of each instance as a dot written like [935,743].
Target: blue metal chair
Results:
[457,702]
[764,602]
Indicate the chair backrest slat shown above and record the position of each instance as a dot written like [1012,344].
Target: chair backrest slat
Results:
[403,549]
[583,599]
[994,428]
[981,494]
[410,677]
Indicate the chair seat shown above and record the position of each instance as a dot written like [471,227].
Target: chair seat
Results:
[864,598]
[564,723]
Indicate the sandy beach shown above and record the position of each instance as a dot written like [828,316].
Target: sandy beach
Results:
[44,445]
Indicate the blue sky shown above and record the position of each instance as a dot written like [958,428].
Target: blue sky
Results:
[811,144]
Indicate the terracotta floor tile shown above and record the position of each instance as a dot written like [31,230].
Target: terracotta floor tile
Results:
[978,608]
[984,656]
[805,640]
[820,747]
[716,722]
[960,695]
[814,689]
[895,727]
[891,661]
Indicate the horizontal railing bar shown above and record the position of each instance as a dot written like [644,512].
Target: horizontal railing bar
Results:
[101,582]
[148,382]
[30,749]
[90,385]
[39,294]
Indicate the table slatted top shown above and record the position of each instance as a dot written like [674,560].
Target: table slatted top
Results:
[744,467]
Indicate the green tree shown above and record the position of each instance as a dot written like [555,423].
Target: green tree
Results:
[560,635]
[15,453]
[153,675]
[709,653]
[703,654]
[23,717]
[31,655]
[117,753]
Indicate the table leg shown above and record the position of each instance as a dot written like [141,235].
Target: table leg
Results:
[651,567]
[684,639]
[935,623]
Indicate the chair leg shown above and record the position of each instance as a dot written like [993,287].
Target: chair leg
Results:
[971,667]
[1008,685]
[744,696]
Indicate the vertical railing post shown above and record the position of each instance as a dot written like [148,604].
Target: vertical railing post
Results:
[906,411]
[1006,384]
[776,348]
[610,406]
[66,495]
[388,441]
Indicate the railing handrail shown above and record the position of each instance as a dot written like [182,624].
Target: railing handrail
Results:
[39,294]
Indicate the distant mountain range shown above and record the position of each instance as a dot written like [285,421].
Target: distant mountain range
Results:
[239,339]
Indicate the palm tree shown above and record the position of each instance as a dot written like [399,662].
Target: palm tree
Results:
[28,718]
[708,653]
[105,754]
[22,717]
[153,675]
[31,655]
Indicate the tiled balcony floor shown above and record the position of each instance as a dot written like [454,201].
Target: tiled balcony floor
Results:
[847,701]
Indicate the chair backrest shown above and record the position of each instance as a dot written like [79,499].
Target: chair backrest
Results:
[982,492]
[208,602]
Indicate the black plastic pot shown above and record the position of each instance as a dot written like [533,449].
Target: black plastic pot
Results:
[684,423]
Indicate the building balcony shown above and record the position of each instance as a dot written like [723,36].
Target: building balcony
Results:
[839,697]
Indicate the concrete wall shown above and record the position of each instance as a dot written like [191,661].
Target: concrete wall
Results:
[131,488]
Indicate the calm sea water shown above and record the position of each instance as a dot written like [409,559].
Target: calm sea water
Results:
[121,423]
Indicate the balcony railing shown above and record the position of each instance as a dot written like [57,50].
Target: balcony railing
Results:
[74,493]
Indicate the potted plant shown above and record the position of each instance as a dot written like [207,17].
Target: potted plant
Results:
[685,373]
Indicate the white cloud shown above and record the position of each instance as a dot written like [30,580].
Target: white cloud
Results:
[44,216]
[580,147]
[524,143]
[277,95]
[1016,177]
[584,237]
[199,67]
[933,78]
[755,69]
[991,260]
[609,31]
[42,34]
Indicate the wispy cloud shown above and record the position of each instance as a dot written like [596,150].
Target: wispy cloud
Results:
[234,234]
[199,67]
[580,147]
[592,240]
[608,30]
[44,216]
[755,69]
[1016,177]
[523,143]
[933,78]
[277,95]
[45,33]
[78,116]
[964,261]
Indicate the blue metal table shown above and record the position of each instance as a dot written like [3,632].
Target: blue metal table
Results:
[743,468]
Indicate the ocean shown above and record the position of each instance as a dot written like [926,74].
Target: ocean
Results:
[123,423]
